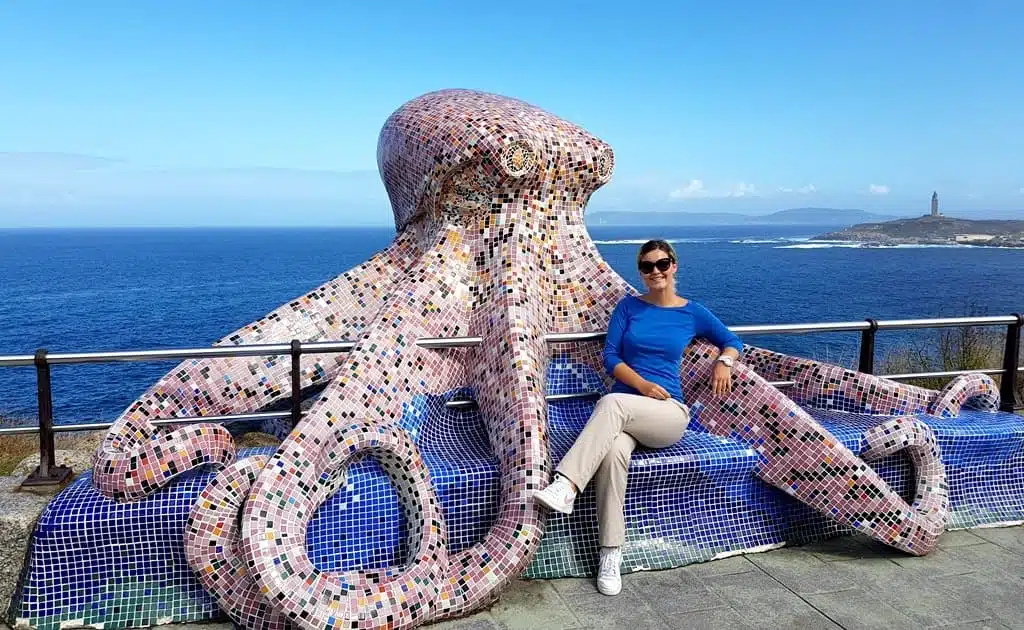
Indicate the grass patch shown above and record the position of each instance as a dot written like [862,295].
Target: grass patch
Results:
[15,448]
[971,348]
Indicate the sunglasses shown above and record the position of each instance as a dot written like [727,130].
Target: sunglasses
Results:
[646,267]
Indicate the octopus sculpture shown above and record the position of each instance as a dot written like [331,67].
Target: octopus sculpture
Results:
[488,195]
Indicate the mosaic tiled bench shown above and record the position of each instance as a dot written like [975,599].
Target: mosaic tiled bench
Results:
[97,561]
[698,500]
[983,453]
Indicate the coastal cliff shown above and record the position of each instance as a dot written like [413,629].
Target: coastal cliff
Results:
[933,230]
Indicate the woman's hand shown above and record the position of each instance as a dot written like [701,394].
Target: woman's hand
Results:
[721,379]
[653,390]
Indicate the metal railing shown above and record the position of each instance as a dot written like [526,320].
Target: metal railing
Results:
[48,473]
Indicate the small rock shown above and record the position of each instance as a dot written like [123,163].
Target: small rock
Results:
[19,512]
[79,461]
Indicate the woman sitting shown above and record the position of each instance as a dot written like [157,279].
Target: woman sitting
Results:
[647,336]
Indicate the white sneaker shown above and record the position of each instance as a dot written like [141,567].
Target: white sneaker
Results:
[609,581]
[558,496]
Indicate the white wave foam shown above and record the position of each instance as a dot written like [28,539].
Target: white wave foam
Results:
[641,241]
[861,245]
[925,246]
[710,239]
[820,245]
[766,241]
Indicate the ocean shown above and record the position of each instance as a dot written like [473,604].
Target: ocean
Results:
[123,289]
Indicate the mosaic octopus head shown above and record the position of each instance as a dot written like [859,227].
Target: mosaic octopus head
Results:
[454,151]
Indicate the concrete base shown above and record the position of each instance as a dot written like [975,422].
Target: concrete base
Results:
[19,512]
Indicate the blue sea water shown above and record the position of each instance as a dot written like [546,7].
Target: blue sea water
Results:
[87,290]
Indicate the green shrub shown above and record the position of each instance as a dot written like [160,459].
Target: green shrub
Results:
[971,348]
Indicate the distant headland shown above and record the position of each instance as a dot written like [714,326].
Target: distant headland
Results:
[933,229]
[821,217]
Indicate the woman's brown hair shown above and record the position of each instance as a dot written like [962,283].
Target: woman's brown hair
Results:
[656,244]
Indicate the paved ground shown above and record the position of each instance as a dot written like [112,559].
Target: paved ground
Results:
[974,580]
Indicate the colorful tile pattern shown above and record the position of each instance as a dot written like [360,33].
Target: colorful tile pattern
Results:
[124,564]
[488,196]
[827,386]
[799,456]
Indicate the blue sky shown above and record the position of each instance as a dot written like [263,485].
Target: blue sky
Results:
[233,113]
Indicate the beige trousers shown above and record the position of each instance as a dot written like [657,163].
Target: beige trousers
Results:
[606,445]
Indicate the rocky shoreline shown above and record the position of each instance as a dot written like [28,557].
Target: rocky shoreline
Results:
[933,230]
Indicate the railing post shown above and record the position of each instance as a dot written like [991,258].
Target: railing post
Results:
[1011,359]
[866,365]
[48,473]
[296,382]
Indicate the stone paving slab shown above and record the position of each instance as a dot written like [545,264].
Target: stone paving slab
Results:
[975,580]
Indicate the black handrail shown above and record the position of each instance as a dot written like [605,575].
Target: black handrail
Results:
[866,364]
[1011,359]
[49,474]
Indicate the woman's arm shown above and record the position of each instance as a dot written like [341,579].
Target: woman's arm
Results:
[729,342]
[731,352]
[709,326]
[627,375]
[613,340]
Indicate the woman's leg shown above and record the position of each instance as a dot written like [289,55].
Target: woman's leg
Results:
[654,423]
[610,480]
[610,488]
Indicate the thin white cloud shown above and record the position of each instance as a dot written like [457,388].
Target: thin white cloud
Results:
[878,189]
[695,189]
[75,190]
[802,190]
[37,178]
[743,190]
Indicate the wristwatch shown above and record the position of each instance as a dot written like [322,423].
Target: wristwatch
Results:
[726,361]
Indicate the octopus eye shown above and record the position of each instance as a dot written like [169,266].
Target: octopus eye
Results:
[518,159]
[604,164]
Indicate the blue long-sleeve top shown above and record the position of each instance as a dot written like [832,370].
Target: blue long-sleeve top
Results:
[651,340]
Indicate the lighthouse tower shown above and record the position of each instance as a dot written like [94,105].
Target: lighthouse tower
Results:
[935,204]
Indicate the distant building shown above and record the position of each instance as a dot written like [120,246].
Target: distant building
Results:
[935,204]
[973,238]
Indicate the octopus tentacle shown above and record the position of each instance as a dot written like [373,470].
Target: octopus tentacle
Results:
[584,296]
[976,391]
[356,415]
[137,458]
[313,598]
[510,394]
[142,458]
[802,458]
[828,386]
[917,439]
[212,547]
